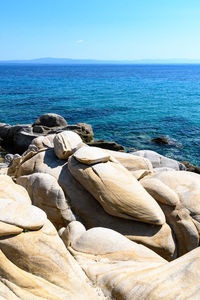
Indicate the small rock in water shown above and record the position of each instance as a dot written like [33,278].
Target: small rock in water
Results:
[107,145]
[161,141]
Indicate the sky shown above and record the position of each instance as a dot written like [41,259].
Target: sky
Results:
[100,29]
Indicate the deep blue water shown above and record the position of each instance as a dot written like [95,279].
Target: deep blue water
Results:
[130,104]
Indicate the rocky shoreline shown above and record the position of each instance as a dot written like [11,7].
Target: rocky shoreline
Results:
[80,219]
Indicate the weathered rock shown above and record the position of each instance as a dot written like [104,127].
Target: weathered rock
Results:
[41,129]
[10,190]
[34,261]
[131,272]
[41,162]
[21,214]
[46,194]
[84,130]
[66,143]
[101,241]
[17,138]
[42,143]
[87,209]
[91,155]
[107,145]
[159,161]
[91,213]
[131,162]
[8,229]
[50,120]
[178,193]
[117,191]
[36,265]
[139,174]
[190,167]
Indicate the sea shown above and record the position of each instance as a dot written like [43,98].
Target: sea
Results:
[129,104]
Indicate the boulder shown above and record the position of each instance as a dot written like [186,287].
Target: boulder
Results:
[100,241]
[66,143]
[41,162]
[22,140]
[117,191]
[84,130]
[34,261]
[91,155]
[11,191]
[36,265]
[132,162]
[91,213]
[20,214]
[129,271]
[159,161]
[87,208]
[50,120]
[42,143]
[46,194]
[178,194]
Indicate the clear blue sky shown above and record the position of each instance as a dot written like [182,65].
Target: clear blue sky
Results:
[100,29]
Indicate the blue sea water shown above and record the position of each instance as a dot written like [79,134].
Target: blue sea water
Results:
[130,104]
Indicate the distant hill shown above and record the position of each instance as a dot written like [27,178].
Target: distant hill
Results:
[70,61]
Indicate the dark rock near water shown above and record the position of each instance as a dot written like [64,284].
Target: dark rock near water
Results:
[107,145]
[17,138]
[40,129]
[190,167]
[161,141]
[50,120]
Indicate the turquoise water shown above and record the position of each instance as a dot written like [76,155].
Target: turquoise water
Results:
[130,104]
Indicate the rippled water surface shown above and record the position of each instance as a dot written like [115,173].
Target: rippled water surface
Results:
[130,104]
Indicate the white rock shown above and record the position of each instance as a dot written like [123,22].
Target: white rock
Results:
[66,143]
[91,155]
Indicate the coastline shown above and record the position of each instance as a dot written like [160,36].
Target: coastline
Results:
[77,209]
[17,138]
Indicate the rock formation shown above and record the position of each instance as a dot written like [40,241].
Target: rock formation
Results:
[81,222]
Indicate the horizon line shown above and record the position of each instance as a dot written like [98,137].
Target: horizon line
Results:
[49,60]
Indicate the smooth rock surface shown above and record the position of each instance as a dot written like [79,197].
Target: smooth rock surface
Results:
[159,161]
[134,273]
[117,191]
[131,162]
[50,120]
[36,265]
[91,155]
[12,191]
[91,213]
[46,194]
[20,214]
[66,143]
[178,193]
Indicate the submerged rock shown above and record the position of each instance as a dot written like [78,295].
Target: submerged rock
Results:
[161,141]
